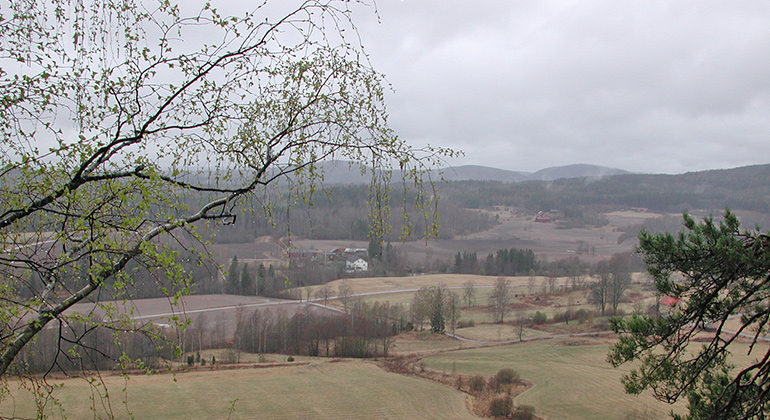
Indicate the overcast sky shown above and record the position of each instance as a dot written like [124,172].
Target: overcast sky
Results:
[662,86]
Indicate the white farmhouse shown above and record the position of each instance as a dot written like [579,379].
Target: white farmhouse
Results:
[355,264]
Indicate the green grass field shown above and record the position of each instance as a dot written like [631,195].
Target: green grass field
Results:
[498,332]
[571,379]
[320,390]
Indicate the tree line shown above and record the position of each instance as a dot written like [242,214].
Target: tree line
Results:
[342,212]
[504,262]
[740,188]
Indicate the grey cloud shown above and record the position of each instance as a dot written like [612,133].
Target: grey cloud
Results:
[654,86]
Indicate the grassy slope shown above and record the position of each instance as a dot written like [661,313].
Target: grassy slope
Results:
[571,377]
[570,381]
[345,390]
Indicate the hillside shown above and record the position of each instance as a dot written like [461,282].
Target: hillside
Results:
[745,188]
[575,171]
[349,173]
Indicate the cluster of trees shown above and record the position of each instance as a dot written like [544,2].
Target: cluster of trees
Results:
[437,306]
[614,278]
[500,299]
[504,262]
[83,345]
[366,331]
[387,260]
[496,392]
[341,212]
[244,279]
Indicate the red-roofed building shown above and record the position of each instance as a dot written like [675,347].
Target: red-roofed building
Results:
[671,303]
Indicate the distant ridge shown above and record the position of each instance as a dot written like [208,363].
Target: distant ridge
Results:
[347,173]
[575,171]
[482,173]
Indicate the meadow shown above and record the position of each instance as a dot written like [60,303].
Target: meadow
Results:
[310,389]
[570,377]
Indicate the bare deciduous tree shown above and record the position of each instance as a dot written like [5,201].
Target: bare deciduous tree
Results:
[344,292]
[500,299]
[120,135]
[324,292]
[469,293]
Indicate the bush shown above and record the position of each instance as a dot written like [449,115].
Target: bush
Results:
[290,359]
[231,356]
[493,384]
[523,412]
[645,414]
[466,324]
[477,384]
[582,316]
[539,318]
[501,406]
[560,316]
[507,376]
[190,360]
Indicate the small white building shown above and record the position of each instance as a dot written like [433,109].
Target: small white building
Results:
[356,264]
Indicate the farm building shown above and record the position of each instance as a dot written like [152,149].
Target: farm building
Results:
[542,218]
[356,264]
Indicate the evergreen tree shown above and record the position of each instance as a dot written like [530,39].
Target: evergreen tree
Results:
[437,310]
[233,279]
[261,279]
[247,281]
[717,271]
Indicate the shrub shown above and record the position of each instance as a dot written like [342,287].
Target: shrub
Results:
[477,384]
[560,316]
[493,384]
[507,376]
[523,412]
[645,414]
[290,359]
[466,324]
[190,360]
[582,316]
[539,318]
[500,406]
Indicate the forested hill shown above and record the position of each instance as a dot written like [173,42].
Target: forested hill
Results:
[746,188]
[347,173]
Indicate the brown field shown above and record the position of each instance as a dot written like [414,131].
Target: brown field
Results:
[514,231]
[217,309]
[570,376]
[349,389]
[375,285]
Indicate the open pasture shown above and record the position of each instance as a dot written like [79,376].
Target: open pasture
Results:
[319,390]
[499,332]
[570,376]
[382,286]
[515,230]
[425,343]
